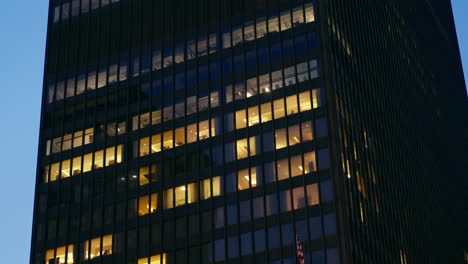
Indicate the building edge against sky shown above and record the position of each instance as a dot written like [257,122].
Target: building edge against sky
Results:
[217,132]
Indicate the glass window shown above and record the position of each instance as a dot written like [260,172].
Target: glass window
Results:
[192,193]
[204,130]
[65,170]
[304,101]
[278,106]
[180,195]
[283,169]
[266,112]
[316,98]
[241,119]
[167,140]
[110,156]
[285,201]
[214,99]
[264,83]
[155,143]
[273,24]
[294,135]
[289,72]
[261,27]
[306,129]
[180,109]
[55,171]
[242,149]
[291,104]
[143,205]
[76,166]
[309,12]
[296,166]
[312,194]
[169,199]
[298,198]
[309,162]
[87,162]
[253,115]
[285,20]
[246,179]
[276,79]
[280,138]
[216,181]
[180,136]
[205,189]
[98,159]
[298,16]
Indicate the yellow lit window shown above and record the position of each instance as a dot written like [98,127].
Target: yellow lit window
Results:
[168,199]
[253,116]
[191,133]
[309,162]
[106,245]
[64,255]
[242,149]
[153,202]
[144,146]
[309,12]
[266,112]
[76,165]
[94,250]
[246,179]
[280,138]
[278,108]
[87,162]
[98,159]
[304,101]
[241,119]
[213,127]
[296,166]
[143,205]
[78,138]
[216,186]
[315,98]
[167,140]
[307,133]
[55,171]
[119,153]
[204,130]
[283,169]
[180,194]
[88,138]
[192,193]
[294,136]
[65,170]
[205,189]
[144,175]
[312,194]
[180,136]
[291,104]
[110,156]
[155,143]
[156,259]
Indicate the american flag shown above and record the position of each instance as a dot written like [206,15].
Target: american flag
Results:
[300,253]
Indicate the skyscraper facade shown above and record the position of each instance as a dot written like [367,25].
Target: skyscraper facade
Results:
[229,131]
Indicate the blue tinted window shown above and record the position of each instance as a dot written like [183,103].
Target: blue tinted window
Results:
[217,158]
[332,256]
[232,214]
[246,244]
[145,89]
[230,179]
[214,70]
[262,55]
[301,230]
[270,175]
[219,250]
[326,191]
[191,78]
[218,217]
[259,208]
[275,51]
[238,63]
[287,234]
[233,247]
[273,237]
[156,87]
[288,48]
[267,141]
[168,84]
[321,127]
[315,226]
[260,244]
[251,60]
[301,44]
[145,63]
[245,210]
[229,153]
[313,40]
[317,257]
[329,222]
[203,73]
[323,156]
[227,67]
[179,80]
[271,204]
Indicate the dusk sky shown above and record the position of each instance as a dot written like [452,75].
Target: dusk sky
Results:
[23,25]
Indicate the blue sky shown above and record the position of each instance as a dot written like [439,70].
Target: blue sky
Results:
[23,29]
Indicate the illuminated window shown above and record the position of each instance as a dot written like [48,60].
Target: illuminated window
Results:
[282,167]
[63,255]
[98,159]
[312,194]
[156,259]
[76,166]
[253,115]
[147,204]
[296,166]
[280,138]
[266,112]
[93,248]
[246,179]
[180,136]
[299,199]
[216,184]
[155,143]
[309,162]
[291,104]
[309,12]
[294,136]
[278,108]
[242,149]
[87,162]
[316,98]
[65,170]
[306,130]
[192,193]
[167,140]
[191,133]
[241,119]
[204,130]
[205,189]
[168,199]
[304,101]
[144,146]
[180,194]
